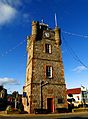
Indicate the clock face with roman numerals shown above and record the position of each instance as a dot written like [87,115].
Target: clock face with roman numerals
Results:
[47,34]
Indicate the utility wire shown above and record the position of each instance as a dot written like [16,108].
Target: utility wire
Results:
[68,33]
[11,50]
[74,34]
[72,52]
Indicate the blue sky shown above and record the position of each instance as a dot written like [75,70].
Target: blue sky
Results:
[15,24]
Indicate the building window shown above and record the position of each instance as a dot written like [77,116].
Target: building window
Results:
[78,97]
[60,100]
[47,48]
[48,72]
[24,94]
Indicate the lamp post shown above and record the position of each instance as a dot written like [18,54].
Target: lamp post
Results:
[16,96]
[15,103]
[42,84]
[83,92]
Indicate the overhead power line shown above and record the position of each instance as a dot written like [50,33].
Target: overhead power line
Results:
[72,53]
[13,48]
[22,42]
[74,34]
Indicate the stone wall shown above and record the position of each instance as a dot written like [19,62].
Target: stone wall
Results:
[38,59]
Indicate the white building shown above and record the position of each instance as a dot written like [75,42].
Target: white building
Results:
[77,95]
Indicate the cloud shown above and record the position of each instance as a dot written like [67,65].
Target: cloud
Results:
[79,69]
[4,81]
[7,12]
[10,10]
[13,3]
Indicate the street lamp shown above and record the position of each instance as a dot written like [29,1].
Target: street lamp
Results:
[16,96]
[42,84]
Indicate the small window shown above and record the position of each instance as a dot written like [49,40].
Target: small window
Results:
[78,97]
[60,100]
[24,94]
[48,72]
[47,48]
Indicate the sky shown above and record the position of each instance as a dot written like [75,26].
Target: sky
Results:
[16,17]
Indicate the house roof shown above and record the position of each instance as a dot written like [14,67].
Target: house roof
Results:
[74,91]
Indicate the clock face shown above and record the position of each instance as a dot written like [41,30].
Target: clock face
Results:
[47,34]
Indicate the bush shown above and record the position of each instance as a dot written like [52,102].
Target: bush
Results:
[20,107]
[9,108]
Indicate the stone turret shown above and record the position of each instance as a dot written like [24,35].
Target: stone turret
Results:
[57,36]
[34,27]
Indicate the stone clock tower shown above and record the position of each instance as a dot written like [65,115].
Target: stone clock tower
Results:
[45,85]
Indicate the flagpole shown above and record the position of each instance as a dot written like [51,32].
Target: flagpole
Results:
[56,20]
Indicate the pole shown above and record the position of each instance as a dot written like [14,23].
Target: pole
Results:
[55,20]
[16,100]
[41,94]
[15,103]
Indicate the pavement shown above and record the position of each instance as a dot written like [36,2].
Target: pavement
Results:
[74,115]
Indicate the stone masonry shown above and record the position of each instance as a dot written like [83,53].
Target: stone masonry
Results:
[53,88]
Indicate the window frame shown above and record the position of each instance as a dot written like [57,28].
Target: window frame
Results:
[48,48]
[60,100]
[49,71]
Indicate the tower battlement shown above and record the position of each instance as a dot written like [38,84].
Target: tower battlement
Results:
[41,30]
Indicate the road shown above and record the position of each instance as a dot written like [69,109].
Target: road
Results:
[47,116]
